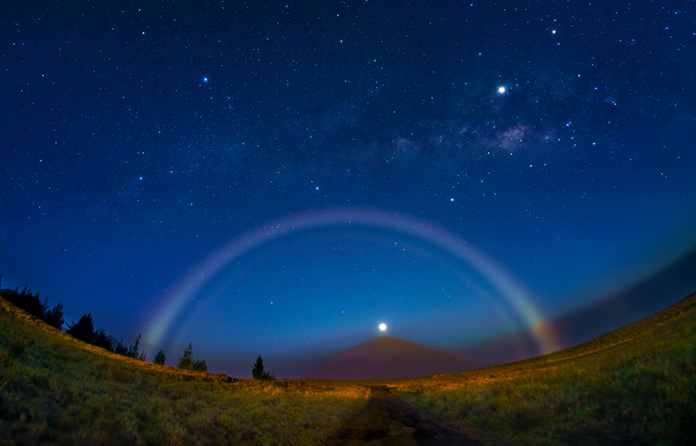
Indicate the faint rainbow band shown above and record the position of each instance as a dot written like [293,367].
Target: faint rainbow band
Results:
[175,300]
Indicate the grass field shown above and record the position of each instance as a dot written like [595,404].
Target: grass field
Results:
[55,389]
[636,385]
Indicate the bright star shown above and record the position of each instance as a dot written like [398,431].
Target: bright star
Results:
[502,89]
[205,78]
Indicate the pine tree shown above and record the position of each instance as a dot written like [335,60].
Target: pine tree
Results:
[31,303]
[159,358]
[120,349]
[257,371]
[134,349]
[186,361]
[54,317]
[36,307]
[83,329]
[101,339]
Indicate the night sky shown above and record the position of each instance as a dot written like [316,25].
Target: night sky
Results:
[281,177]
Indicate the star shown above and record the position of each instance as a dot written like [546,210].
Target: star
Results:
[323,121]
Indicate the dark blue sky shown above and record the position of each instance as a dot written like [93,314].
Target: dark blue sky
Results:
[553,139]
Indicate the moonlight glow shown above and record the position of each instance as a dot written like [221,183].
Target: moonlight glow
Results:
[382,327]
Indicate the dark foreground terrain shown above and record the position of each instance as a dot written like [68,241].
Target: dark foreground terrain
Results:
[635,385]
[386,420]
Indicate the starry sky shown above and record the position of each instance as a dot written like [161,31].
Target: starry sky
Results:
[316,168]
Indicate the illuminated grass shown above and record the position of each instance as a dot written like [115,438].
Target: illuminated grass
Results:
[55,389]
[636,385]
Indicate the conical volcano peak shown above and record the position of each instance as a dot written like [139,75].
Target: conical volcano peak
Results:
[391,357]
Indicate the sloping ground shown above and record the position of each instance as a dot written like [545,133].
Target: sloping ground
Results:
[389,357]
[55,389]
[636,385]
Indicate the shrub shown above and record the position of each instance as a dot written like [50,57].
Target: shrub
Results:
[200,366]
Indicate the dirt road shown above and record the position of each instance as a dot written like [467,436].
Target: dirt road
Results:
[388,421]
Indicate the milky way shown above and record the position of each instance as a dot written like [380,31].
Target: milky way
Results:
[555,138]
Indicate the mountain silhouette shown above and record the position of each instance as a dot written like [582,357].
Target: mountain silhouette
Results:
[389,357]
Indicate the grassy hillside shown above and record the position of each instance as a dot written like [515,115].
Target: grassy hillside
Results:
[55,389]
[636,385]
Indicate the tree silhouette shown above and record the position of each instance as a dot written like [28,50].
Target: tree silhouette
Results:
[35,307]
[200,366]
[257,371]
[101,339]
[133,350]
[120,349]
[83,329]
[31,303]
[55,316]
[159,358]
[186,361]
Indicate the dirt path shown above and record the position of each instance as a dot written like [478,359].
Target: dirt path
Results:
[388,421]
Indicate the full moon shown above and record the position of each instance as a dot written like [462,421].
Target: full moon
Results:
[382,327]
